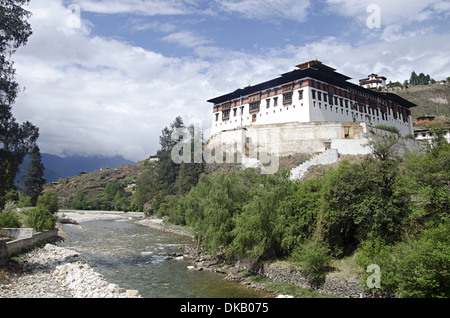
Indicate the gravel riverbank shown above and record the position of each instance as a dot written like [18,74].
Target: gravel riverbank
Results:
[56,272]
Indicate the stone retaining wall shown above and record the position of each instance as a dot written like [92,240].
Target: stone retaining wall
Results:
[26,240]
[330,285]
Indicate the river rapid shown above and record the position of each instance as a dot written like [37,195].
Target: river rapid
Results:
[134,257]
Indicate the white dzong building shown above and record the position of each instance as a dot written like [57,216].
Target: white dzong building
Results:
[310,106]
[373,81]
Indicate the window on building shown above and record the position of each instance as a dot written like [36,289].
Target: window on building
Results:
[319,96]
[275,101]
[254,107]
[287,98]
[300,95]
[287,88]
[217,117]
[226,114]
[234,112]
[226,106]
[267,103]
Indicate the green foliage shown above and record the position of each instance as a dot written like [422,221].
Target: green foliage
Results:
[416,268]
[212,205]
[167,207]
[34,179]
[314,257]
[391,129]
[9,217]
[40,219]
[420,79]
[259,228]
[165,181]
[113,198]
[147,187]
[80,201]
[24,201]
[386,208]
[9,220]
[425,177]
[49,200]
[10,207]
[16,140]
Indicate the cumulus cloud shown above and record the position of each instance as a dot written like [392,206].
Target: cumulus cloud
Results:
[95,95]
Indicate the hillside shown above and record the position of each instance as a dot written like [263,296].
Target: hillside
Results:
[73,165]
[59,168]
[431,100]
[93,183]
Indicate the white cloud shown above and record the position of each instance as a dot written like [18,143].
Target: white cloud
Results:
[395,60]
[142,7]
[296,10]
[186,39]
[398,12]
[94,95]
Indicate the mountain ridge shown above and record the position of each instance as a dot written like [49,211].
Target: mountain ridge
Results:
[57,167]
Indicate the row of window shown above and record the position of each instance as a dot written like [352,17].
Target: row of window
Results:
[362,108]
[255,105]
[254,116]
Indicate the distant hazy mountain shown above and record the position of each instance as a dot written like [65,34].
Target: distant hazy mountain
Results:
[57,167]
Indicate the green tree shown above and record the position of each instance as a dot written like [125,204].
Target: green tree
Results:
[34,179]
[167,169]
[41,219]
[413,80]
[146,187]
[366,200]
[49,200]
[259,228]
[9,217]
[16,140]
[425,176]
[418,267]
[80,201]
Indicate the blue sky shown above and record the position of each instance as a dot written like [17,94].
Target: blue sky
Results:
[108,76]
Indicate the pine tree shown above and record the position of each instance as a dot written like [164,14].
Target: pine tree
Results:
[34,180]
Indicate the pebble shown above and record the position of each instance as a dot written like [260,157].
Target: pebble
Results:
[57,272]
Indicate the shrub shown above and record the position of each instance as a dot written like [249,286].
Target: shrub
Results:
[314,258]
[417,268]
[49,200]
[10,207]
[40,219]
[9,220]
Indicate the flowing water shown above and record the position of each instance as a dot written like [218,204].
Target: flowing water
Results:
[134,257]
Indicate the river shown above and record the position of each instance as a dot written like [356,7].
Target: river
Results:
[134,257]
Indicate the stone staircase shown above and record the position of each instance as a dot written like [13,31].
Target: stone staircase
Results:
[325,158]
